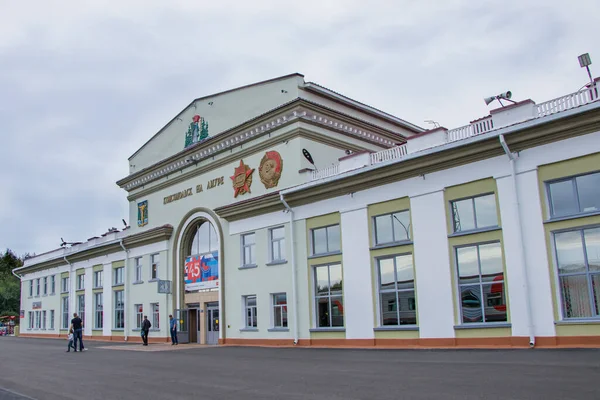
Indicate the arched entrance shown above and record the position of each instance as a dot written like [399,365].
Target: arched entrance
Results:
[198,263]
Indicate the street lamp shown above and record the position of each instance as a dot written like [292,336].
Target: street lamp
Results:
[586,61]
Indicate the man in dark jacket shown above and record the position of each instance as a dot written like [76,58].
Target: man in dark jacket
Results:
[146,325]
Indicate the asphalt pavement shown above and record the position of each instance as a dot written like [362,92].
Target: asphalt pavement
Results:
[40,369]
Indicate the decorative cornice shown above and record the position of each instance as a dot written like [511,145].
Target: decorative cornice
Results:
[154,235]
[300,110]
[245,209]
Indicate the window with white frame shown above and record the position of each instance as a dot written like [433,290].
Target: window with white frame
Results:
[98,275]
[44,319]
[397,305]
[474,213]
[578,265]
[53,284]
[139,315]
[574,195]
[138,269]
[52,319]
[118,276]
[250,311]
[64,288]
[38,320]
[99,311]
[277,244]
[392,228]
[119,308]
[80,282]
[481,283]
[65,313]
[154,263]
[31,288]
[45,286]
[329,301]
[155,315]
[37,287]
[81,306]
[31,321]
[280,319]
[249,249]
[326,240]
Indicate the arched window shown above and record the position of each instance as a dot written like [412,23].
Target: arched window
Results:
[205,240]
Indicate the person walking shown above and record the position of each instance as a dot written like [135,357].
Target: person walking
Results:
[70,339]
[77,327]
[173,325]
[146,325]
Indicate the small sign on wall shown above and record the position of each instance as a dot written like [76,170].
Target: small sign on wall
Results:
[164,287]
[36,305]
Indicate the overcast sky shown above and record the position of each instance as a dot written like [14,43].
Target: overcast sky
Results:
[84,86]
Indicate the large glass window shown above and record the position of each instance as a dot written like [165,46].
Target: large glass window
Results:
[156,315]
[474,213]
[52,284]
[119,308]
[249,249]
[37,287]
[580,194]
[277,244]
[64,286]
[65,313]
[80,282]
[52,319]
[397,303]
[390,228]
[31,288]
[30,325]
[154,263]
[45,285]
[578,259]
[139,315]
[326,240]
[38,320]
[99,311]
[329,303]
[251,314]
[98,275]
[81,306]
[280,319]
[118,279]
[44,317]
[481,283]
[205,239]
[138,269]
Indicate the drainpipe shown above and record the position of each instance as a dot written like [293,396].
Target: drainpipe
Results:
[513,173]
[16,275]
[294,299]
[125,275]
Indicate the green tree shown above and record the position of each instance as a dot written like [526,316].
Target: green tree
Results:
[10,286]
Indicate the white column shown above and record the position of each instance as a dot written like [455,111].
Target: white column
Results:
[358,288]
[72,293]
[534,245]
[107,299]
[88,324]
[432,266]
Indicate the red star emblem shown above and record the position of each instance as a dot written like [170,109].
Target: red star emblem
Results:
[242,179]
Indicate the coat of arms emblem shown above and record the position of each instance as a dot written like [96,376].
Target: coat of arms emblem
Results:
[270,169]
[143,213]
[242,179]
[197,131]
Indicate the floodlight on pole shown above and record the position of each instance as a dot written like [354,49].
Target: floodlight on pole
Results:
[586,61]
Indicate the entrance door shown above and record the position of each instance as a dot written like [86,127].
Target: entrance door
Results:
[183,335]
[212,328]
[193,325]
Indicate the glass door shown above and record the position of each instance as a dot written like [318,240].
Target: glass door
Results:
[183,334]
[212,320]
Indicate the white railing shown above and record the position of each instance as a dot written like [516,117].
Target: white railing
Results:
[325,172]
[569,101]
[460,133]
[483,125]
[394,153]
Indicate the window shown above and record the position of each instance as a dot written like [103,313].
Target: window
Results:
[397,305]
[45,285]
[139,315]
[156,316]
[578,259]
[474,213]
[205,240]
[138,269]
[328,296]
[52,285]
[481,283]
[98,279]
[326,240]
[80,282]
[65,313]
[248,249]
[37,287]
[575,195]
[119,310]
[52,319]
[81,306]
[391,228]
[277,244]
[118,276]
[44,319]
[280,319]
[99,311]
[154,263]
[38,319]
[31,321]
[250,305]
[31,288]
[65,285]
